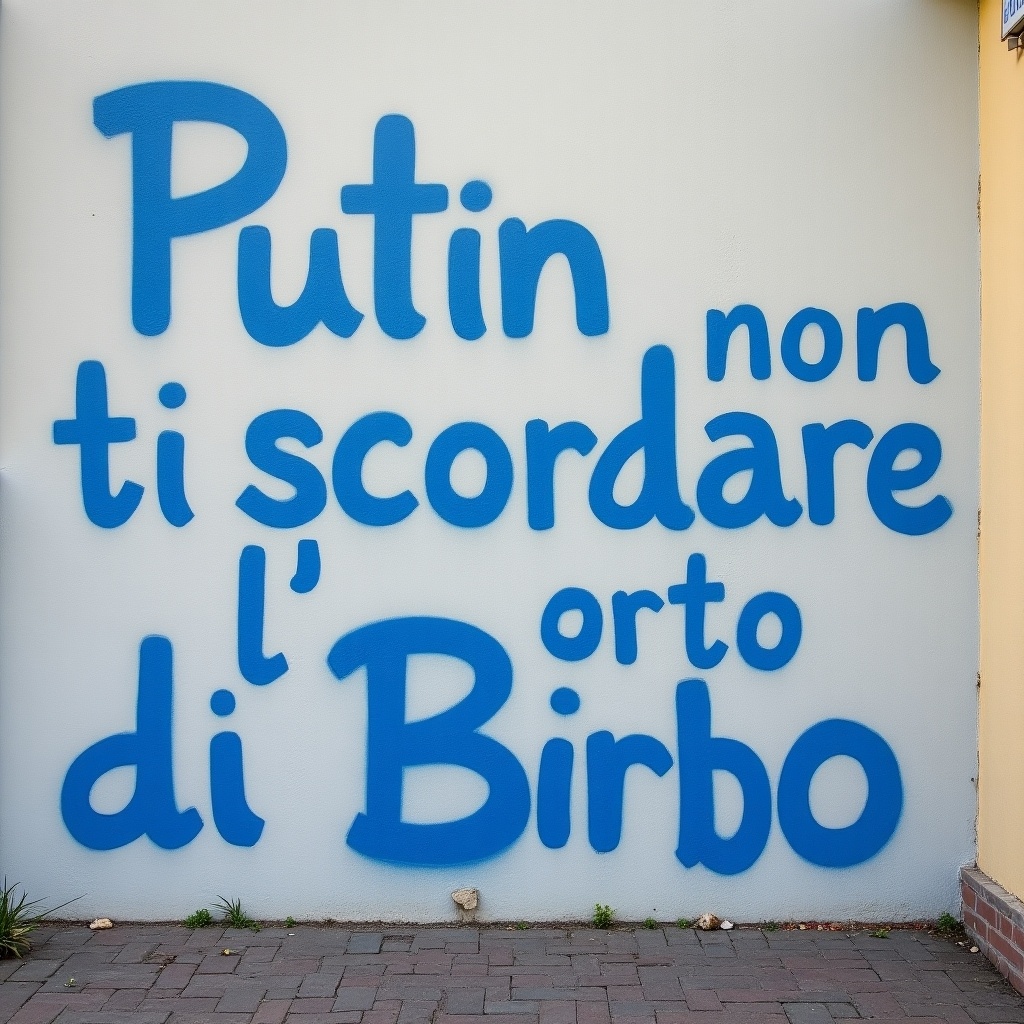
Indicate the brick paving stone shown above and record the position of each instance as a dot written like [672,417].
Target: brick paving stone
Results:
[242,999]
[311,1006]
[101,976]
[878,1004]
[113,1017]
[323,983]
[894,970]
[491,1018]
[663,988]
[346,1017]
[949,1013]
[774,978]
[35,1013]
[45,1007]
[187,956]
[531,978]
[661,972]
[592,1013]
[205,985]
[218,963]
[631,1008]
[365,942]
[258,955]
[74,935]
[417,1011]
[126,999]
[35,970]
[621,971]
[916,951]
[703,999]
[354,999]
[681,1015]
[912,999]
[555,1012]
[543,994]
[175,976]
[759,995]
[939,985]
[720,967]
[199,1004]
[467,1001]
[807,1013]
[203,937]
[744,1012]
[271,1011]
[208,1017]
[407,993]
[995,1014]
[850,980]
[491,982]
[286,967]
[722,1017]
[282,992]
[135,953]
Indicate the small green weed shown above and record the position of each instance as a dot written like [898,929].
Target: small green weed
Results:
[289,921]
[684,922]
[522,926]
[202,918]
[603,915]
[770,926]
[233,915]
[949,927]
[649,922]
[17,920]
[880,933]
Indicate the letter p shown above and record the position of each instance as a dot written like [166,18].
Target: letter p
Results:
[149,112]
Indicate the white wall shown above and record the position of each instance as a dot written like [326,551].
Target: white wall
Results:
[788,155]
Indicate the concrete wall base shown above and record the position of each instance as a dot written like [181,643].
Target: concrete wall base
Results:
[994,918]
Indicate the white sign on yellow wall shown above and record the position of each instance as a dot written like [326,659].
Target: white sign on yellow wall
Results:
[526,446]
[1013,16]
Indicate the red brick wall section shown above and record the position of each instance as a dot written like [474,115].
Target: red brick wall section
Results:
[994,918]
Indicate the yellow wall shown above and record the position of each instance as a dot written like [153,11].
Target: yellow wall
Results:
[1001,739]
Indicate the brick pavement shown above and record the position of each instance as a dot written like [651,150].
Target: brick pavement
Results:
[165,974]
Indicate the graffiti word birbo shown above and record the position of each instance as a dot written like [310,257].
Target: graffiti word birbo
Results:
[383,651]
